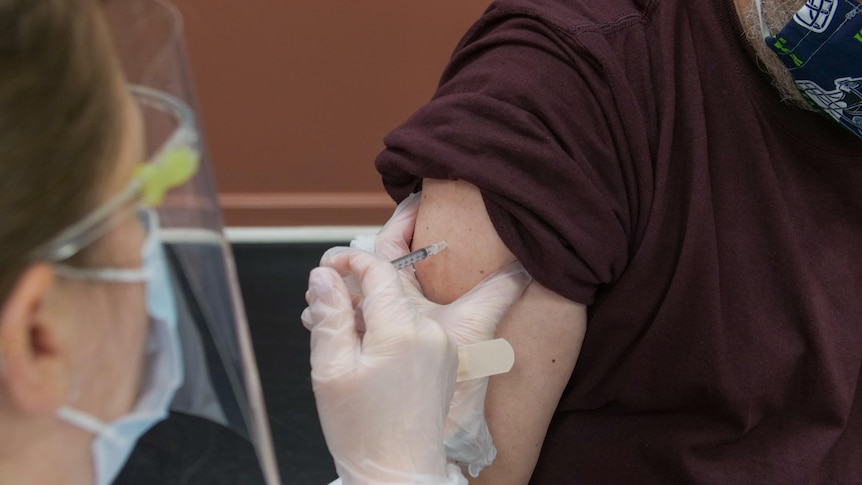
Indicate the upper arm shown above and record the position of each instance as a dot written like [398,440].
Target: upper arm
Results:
[545,329]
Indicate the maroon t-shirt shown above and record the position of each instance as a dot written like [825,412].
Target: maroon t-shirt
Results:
[635,158]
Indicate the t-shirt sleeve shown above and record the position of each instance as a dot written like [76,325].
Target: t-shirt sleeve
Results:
[526,115]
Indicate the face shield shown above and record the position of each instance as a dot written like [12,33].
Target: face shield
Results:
[220,392]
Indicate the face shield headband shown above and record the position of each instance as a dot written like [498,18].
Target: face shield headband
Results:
[175,163]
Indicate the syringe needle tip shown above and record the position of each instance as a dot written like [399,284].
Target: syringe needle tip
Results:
[436,247]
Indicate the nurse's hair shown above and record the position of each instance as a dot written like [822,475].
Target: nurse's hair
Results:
[60,122]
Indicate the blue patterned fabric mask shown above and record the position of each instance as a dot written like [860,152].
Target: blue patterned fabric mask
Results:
[822,48]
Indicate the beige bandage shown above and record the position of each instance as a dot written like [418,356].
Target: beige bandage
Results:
[484,359]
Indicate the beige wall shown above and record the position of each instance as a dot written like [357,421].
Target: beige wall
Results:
[296,96]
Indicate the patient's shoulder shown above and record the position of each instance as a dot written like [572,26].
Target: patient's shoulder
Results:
[453,211]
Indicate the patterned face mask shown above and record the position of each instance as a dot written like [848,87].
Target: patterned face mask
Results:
[822,48]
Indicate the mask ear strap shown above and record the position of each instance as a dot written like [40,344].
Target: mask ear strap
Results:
[764,29]
[87,423]
[110,275]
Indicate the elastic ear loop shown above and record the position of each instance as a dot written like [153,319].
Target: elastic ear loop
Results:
[109,275]
[88,423]
[764,29]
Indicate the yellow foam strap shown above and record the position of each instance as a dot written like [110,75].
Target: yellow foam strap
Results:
[174,168]
[484,359]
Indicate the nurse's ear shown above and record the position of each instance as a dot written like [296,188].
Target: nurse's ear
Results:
[31,364]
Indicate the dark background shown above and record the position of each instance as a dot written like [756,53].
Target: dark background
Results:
[274,278]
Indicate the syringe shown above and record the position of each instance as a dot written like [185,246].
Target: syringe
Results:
[418,255]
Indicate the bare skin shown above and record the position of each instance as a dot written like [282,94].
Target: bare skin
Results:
[545,329]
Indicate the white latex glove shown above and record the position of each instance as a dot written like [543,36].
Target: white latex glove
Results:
[471,319]
[382,391]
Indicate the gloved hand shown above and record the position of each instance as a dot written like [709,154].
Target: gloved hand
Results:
[473,318]
[382,391]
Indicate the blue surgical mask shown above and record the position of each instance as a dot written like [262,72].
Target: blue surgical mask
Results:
[114,441]
[822,48]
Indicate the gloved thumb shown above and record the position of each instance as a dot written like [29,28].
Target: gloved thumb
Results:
[350,281]
[330,317]
[394,239]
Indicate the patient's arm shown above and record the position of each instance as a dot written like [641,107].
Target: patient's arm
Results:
[545,329]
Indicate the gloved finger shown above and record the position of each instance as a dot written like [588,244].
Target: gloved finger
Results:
[366,269]
[506,284]
[389,317]
[466,437]
[486,303]
[333,253]
[306,319]
[329,316]
[350,280]
[394,239]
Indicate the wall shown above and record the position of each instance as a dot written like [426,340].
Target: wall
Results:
[296,96]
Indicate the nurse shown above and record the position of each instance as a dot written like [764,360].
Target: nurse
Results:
[121,324]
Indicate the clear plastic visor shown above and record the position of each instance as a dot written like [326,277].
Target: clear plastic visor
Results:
[221,399]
